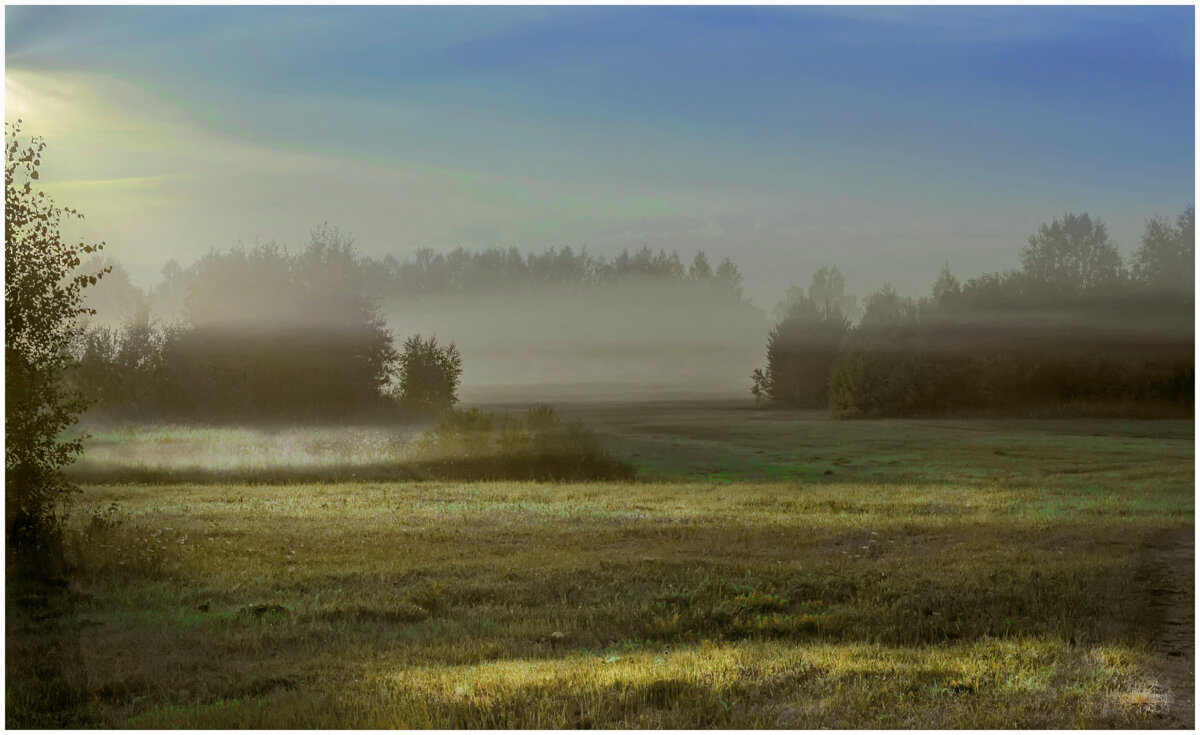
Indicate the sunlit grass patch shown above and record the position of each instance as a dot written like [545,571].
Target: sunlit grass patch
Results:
[483,604]
[706,685]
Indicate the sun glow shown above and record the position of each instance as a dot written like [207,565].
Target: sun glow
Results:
[47,106]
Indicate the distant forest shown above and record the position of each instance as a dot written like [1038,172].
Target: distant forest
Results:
[463,271]
[458,271]
[1076,330]
[263,333]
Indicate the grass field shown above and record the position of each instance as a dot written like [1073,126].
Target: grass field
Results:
[769,569]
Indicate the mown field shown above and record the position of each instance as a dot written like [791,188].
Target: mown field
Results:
[768,569]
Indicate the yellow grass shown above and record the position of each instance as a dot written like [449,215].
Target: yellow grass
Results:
[609,605]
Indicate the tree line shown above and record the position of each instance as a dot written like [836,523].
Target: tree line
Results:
[1076,329]
[494,269]
[264,333]
[459,271]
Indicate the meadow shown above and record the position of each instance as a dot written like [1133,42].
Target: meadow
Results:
[765,569]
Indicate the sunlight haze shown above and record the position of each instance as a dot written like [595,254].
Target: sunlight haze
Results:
[750,132]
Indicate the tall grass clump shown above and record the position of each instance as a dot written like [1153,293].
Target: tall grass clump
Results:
[472,444]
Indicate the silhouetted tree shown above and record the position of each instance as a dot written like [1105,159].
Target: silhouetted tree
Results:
[946,288]
[1166,260]
[700,270]
[828,293]
[115,297]
[42,305]
[168,297]
[729,279]
[803,345]
[428,374]
[1072,256]
[886,308]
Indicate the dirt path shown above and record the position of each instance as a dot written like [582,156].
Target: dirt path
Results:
[1173,605]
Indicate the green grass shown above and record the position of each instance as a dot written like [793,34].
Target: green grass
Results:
[733,441]
[945,593]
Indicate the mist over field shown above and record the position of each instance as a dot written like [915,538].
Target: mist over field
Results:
[658,367]
[542,326]
[639,340]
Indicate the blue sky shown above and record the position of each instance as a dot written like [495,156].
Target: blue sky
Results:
[886,140]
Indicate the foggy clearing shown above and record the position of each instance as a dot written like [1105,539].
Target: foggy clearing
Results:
[790,367]
[641,341]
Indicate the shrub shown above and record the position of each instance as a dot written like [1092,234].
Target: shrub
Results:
[428,375]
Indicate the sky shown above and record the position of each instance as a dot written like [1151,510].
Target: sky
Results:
[884,140]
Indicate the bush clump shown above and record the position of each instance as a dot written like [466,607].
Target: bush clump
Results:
[471,444]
